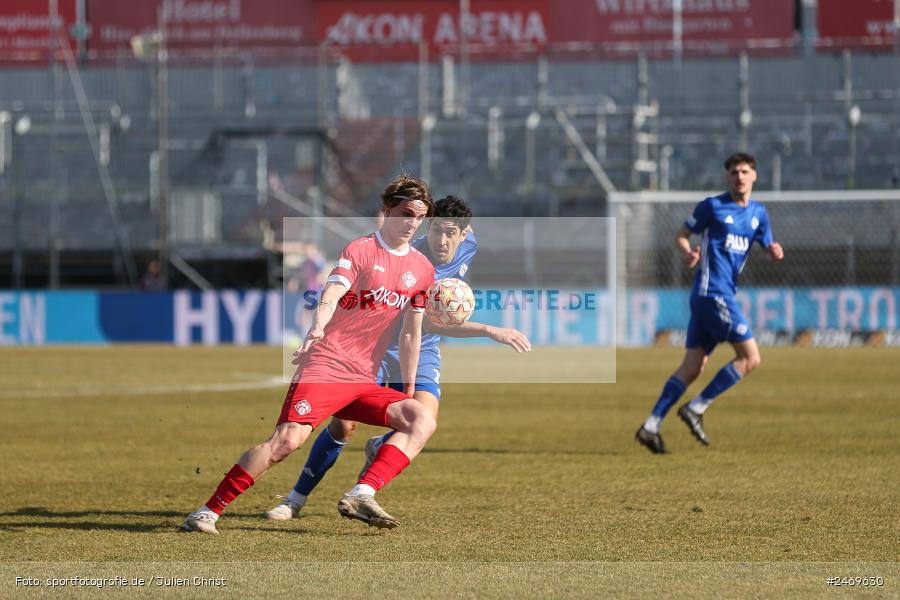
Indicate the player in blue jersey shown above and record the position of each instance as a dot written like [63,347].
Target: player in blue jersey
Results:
[450,245]
[728,224]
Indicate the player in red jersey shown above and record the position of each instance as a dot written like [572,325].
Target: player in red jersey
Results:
[377,280]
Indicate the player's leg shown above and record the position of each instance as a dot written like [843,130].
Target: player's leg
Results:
[305,406]
[703,334]
[286,438]
[688,371]
[746,359]
[691,366]
[322,456]
[429,394]
[413,424]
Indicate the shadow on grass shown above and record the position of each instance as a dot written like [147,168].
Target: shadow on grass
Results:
[40,511]
[519,451]
[38,517]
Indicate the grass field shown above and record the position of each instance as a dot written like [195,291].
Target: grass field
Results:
[525,491]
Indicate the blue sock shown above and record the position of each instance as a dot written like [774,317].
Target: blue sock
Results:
[323,455]
[724,379]
[672,391]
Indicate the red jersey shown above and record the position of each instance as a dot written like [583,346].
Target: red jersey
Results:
[381,284]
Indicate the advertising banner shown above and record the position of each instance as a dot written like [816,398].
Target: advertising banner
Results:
[814,316]
[857,23]
[394,30]
[25,27]
[643,21]
[202,24]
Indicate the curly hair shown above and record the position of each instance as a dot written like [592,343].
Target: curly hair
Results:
[738,158]
[407,187]
[454,209]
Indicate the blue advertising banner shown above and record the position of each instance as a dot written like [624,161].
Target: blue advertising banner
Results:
[548,317]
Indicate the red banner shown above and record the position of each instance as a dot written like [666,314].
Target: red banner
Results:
[202,23]
[394,29]
[25,27]
[861,22]
[643,21]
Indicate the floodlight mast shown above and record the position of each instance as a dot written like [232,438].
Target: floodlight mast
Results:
[53,225]
[896,32]
[162,120]
[152,48]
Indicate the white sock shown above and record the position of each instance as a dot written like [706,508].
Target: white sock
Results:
[699,404]
[361,488]
[206,509]
[652,424]
[296,498]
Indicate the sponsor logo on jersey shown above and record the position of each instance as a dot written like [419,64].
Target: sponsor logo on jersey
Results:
[379,268]
[408,279]
[384,296]
[754,222]
[302,407]
[462,270]
[737,243]
[343,263]
[729,219]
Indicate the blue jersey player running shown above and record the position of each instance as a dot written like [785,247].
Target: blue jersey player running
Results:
[450,245]
[728,224]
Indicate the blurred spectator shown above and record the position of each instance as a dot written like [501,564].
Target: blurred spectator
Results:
[312,268]
[304,271]
[152,281]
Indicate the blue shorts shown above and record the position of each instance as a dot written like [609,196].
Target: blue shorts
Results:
[715,319]
[428,372]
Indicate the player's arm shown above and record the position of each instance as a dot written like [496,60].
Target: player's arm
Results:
[690,256]
[410,345]
[773,249]
[514,338]
[333,292]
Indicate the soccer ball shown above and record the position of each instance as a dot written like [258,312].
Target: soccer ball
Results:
[450,302]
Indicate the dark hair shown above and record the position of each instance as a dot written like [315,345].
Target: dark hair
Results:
[407,187]
[454,209]
[738,158]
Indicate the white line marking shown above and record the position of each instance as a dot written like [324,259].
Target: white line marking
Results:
[199,388]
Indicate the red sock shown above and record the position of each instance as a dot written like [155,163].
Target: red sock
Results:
[236,482]
[388,463]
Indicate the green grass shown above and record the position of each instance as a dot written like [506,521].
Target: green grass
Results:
[525,490]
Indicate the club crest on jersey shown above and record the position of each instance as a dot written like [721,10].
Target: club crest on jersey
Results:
[302,407]
[737,243]
[754,222]
[408,279]
[462,270]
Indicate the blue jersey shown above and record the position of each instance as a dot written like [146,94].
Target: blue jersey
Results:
[458,267]
[727,231]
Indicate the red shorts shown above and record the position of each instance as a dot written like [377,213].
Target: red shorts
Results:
[312,403]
